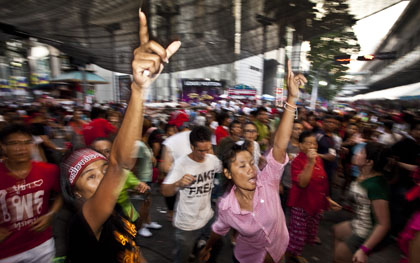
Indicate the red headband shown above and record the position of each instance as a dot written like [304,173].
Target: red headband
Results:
[77,162]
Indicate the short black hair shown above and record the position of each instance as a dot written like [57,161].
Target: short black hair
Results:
[231,149]
[249,123]
[12,129]
[100,139]
[221,117]
[168,126]
[97,113]
[304,135]
[233,123]
[200,134]
[330,116]
[388,124]
[261,109]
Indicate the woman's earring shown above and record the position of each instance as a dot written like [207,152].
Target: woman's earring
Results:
[77,195]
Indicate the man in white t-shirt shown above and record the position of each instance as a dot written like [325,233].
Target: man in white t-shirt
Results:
[174,147]
[193,176]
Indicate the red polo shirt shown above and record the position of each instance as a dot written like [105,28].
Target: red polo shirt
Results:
[312,198]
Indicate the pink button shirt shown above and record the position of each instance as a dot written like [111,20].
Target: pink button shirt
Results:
[263,230]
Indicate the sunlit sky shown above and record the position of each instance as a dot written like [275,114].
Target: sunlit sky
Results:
[371,30]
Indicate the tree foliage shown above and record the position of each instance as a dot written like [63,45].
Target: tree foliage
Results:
[329,30]
[335,37]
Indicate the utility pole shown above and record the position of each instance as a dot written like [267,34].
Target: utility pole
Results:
[111,28]
[314,94]
[264,21]
[168,11]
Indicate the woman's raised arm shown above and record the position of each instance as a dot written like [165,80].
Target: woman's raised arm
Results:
[147,65]
[282,136]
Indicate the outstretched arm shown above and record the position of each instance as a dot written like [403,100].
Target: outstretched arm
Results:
[282,136]
[147,65]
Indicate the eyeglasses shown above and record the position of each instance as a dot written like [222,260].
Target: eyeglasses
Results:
[16,143]
[251,131]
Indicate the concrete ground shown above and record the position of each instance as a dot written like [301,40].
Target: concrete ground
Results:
[161,246]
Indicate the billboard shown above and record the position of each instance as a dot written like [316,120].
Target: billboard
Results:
[242,91]
[194,90]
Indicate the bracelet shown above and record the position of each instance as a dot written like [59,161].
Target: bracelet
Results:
[291,106]
[365,250]
[293,111]
[286,107]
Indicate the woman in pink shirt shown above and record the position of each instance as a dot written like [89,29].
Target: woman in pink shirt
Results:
[252,205]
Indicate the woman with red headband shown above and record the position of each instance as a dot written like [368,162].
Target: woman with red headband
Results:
[91,184]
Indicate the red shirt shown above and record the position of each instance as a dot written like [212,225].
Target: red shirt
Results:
[178,118]
[97,128]
[220,133]
[22,201]
[312,198]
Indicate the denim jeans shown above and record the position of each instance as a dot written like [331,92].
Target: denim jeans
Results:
[185,241]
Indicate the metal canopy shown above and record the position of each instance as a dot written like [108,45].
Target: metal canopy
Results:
[77,76]
[105,32]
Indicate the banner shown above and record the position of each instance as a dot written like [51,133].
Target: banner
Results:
[39,79]
[242,91]
[18,82]
[200,90]
[279,97]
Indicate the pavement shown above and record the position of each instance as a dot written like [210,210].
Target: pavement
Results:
[160,248]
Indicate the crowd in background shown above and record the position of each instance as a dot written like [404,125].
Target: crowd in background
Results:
[337,137]
[75,170]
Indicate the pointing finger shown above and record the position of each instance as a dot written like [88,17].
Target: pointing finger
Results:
[173,48]
[144,33]
[289,68]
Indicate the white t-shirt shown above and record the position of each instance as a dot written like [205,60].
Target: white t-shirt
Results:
[178,144]
[213,125]
[193,208]
[389,139]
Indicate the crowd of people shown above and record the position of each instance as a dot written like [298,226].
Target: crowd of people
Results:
[67,176]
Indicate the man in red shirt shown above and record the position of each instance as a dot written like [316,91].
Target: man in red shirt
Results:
[222,130]
[99,127]
[25,188]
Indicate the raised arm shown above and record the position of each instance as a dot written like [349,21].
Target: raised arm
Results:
[282,136]
[147,65]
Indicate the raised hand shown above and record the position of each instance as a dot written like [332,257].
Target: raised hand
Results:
[149,56]
[294,81]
